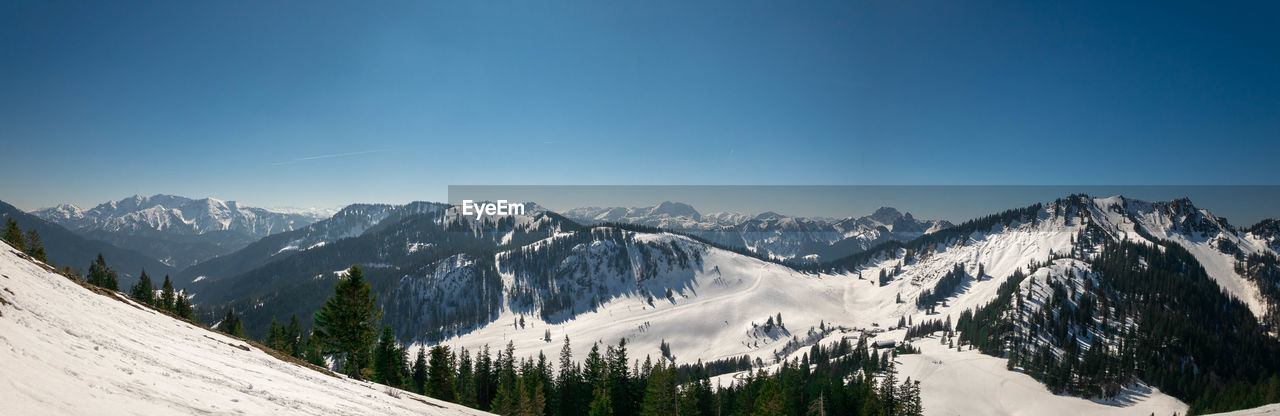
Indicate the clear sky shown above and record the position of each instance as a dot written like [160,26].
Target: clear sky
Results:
[322,104]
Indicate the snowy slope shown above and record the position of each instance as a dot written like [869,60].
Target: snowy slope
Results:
[718,304]
[1214,243]
[69,351]
[1268,410]
[710,315]
[970,383]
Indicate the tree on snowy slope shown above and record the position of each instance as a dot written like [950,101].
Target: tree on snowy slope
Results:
[419,373]
[30,244]
[387,360]
[660,396]
[167,295]
[143,291]
[440,375]
[13,234]
[347,323]
[182,306]
[102,276]
[231,324]
[35,248]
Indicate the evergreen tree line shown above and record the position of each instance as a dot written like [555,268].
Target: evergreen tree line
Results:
[836,379]
[169,300]
[1154,315]
[550,283]
[927,327]
[607,383]
[28,242]
[1264,270]
[930,298]
[288,339]
[102,275]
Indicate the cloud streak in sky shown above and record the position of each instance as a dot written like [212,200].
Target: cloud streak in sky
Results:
[328,156]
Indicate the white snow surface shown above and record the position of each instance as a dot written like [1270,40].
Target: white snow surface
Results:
[1268,410]
[65,350]
[971,383]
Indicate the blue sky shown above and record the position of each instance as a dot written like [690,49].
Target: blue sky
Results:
[322,104]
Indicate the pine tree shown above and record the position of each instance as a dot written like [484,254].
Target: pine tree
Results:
[347,323]
[567,402]
[386,360]
[312,352]
[102,276]
[600,405]
[770,400]
[484,379]
[274,336]
[544,388]
[143,291]
[537,398]
[420,371]
[231,324]
[620,380]
[465,383]
[888,388]
[13,234]
[440,375]
[596,374]
[507,399]
[182,306]
[167,296]
[291,335]
[660,395]
[909,398]
[35,248]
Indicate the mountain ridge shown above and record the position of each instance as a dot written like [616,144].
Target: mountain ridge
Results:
[176,230]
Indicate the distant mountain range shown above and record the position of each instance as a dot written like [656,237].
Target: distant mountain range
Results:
[66,248]
[178,231]
[809,240]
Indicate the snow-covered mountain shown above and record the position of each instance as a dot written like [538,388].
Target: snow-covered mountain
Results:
[444,278]
[71,350]
[179,215]
[66,248]
[351,221]
[568,273]
[808,240]
[383,239]
[178,231]
[708,303]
